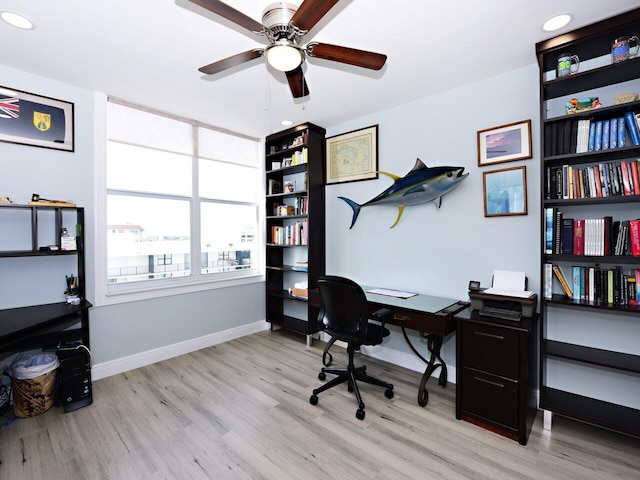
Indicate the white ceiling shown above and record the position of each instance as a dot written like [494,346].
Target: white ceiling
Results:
[148,52]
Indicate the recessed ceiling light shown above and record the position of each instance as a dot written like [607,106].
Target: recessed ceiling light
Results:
[557,22]
[17,20]
[286,123]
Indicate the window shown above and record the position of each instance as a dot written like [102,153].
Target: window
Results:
[174,190]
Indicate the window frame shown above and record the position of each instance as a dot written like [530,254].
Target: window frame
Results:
[108,294]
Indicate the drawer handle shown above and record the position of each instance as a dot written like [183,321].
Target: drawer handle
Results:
[495,384]
[401,318]
[490,335]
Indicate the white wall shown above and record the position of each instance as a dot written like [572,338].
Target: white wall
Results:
[119,331]
[431,250]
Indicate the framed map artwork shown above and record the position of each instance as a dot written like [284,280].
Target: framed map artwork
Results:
[353,156]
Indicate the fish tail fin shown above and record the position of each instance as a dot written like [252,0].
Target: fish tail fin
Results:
[356,210]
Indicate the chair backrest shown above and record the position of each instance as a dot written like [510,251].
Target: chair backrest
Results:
[343,307]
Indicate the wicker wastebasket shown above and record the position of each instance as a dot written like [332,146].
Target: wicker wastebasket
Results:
[33,380]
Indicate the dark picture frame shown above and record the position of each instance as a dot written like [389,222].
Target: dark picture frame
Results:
[352,156]
[506,143]
[505,192]
[35,120]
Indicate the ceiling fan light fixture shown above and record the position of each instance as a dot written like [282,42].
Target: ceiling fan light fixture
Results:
[284,56]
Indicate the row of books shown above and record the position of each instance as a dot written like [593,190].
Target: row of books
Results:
[294,234]
[602,286]
[589,135]
[590,236]
[300,207]
[602,180]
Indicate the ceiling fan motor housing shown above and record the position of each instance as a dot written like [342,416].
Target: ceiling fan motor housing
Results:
[276,18]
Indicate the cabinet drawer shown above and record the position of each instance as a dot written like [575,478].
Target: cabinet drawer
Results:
[490,396]
[492,349]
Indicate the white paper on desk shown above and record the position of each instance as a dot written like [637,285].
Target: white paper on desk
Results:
[392,293]
[508,283]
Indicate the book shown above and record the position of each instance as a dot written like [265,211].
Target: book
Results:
[557,231]
[632,125]
[548,226]
[625,178]
[562,280]
[567,236]
[598,136]
[636,177]
[548,280]
[605,134]
[634,237]
[576,281]
[613,133]
[592,136]
[578,237]
[621,132]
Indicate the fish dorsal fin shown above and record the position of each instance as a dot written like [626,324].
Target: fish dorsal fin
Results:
[418,166]
[394,177]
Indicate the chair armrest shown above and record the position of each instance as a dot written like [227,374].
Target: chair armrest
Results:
[383,315]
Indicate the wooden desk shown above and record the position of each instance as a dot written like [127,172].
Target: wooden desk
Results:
[429,315]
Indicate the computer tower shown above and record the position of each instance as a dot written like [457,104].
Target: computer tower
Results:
[74,378]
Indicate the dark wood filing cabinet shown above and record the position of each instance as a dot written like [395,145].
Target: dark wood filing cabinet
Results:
[496,373]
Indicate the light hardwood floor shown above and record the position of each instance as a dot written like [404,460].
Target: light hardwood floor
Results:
[241,410]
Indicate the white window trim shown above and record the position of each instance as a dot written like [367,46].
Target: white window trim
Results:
[105,294]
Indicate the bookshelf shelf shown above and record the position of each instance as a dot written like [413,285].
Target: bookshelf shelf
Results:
[297,237]
[586,181]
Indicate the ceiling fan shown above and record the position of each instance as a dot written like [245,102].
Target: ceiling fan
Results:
[284,27]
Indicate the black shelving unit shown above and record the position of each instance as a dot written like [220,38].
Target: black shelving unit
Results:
[294,155]
[593,45]
[45,325]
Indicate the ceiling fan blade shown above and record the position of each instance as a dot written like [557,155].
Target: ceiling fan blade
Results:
[297,83]
[352,56]
[311,12]
[230,13]
[232,61]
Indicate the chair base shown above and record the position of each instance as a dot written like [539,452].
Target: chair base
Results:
[351,375]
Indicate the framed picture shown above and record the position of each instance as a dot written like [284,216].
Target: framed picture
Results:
[504,144]
[505,192]
[353,156]
[30,119]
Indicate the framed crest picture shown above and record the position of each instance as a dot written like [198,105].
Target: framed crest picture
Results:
[506,143]
[353,156]
[30,119]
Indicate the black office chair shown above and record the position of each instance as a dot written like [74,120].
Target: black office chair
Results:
[343,315]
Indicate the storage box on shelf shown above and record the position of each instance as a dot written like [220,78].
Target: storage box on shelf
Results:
[295,240]
[590,348]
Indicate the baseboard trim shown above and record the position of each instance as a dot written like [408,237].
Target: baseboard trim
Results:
[124,364]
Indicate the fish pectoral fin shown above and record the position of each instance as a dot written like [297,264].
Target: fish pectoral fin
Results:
[400,210]
[394,177]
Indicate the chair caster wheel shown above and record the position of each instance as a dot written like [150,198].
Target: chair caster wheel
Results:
[360,414]
[313,400]
[322,376]
[388,393]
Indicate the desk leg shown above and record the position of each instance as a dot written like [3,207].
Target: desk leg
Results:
[434,345]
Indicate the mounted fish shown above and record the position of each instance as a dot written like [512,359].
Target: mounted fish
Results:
[421,185]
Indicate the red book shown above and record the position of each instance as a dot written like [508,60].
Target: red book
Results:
[636,177]
[634,235]
[625,177]
[578,237]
